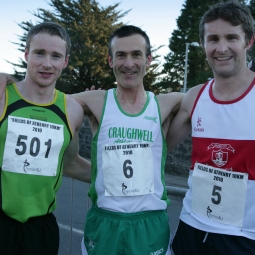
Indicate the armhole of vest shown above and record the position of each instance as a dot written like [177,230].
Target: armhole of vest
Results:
[5,105]
[103,111]
[160,120]
[198,96]
[163,154]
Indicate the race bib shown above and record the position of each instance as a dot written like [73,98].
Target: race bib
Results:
[219,194]
[128,169]
[32,146]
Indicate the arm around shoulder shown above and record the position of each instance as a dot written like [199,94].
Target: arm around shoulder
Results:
[180,126]
[92,101]
[5,79]
[169,104]
[74,165]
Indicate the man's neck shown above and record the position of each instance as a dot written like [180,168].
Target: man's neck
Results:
[131,100]
[35,93]
[227,89]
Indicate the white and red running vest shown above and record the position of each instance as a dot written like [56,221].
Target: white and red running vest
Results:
[221,195]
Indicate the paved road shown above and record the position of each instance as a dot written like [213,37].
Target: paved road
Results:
[70,244]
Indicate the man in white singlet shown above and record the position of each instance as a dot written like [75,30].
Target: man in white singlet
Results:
[128,155]
[218,210]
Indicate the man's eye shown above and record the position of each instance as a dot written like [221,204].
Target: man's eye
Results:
[56,56]
[137,54]
[231,38]
[213,39]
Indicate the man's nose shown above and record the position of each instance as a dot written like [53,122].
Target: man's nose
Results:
[47,62]
[129,62]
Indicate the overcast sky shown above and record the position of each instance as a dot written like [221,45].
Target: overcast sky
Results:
[156,17]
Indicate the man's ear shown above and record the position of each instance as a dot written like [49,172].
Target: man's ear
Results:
[66,61]
[148,60]
[26,54]
[250,42]
[110,61]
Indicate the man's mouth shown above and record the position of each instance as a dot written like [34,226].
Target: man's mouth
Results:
[223,58]
[128,73]
[45,74]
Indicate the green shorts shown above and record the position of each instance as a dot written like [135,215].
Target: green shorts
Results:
[139,233]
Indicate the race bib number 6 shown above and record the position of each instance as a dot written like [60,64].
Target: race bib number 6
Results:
[128,169]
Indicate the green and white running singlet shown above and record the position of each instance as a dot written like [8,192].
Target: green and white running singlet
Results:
[128,159]
[33,139]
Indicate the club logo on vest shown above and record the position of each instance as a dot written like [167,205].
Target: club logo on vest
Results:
[151,118]
[220,153]
[199,128]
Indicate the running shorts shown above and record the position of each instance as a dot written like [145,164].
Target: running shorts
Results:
[115,233]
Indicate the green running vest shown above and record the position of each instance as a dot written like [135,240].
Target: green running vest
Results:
[33,139]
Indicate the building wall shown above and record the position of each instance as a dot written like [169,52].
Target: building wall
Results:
[179,160]
[85,137]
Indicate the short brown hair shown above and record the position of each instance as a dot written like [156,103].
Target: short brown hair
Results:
[50,28]
[232,12]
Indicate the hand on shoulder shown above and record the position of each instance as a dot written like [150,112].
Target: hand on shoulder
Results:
[5,79]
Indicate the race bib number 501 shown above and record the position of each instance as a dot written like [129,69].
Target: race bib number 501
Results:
[32,146]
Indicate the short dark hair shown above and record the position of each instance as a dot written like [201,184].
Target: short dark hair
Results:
[230,11]
[128,30]
[50,28]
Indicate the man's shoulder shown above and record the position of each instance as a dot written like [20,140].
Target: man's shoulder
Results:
[90,96]
[171,97]
[71,102]
[73,106]
[75,113]
[193,92]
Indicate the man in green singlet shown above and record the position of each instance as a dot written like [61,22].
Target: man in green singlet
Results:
[38,133]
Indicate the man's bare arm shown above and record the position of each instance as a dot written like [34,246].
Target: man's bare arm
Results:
[169,105]
[74,165]
[92,101]
[180,127]
[5,79]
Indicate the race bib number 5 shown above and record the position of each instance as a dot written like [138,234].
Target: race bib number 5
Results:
[128,169]
[219,194]
[32,146]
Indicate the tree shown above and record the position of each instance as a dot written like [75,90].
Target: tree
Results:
[251,52]
[187,32]
[89,26]
[150,80]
